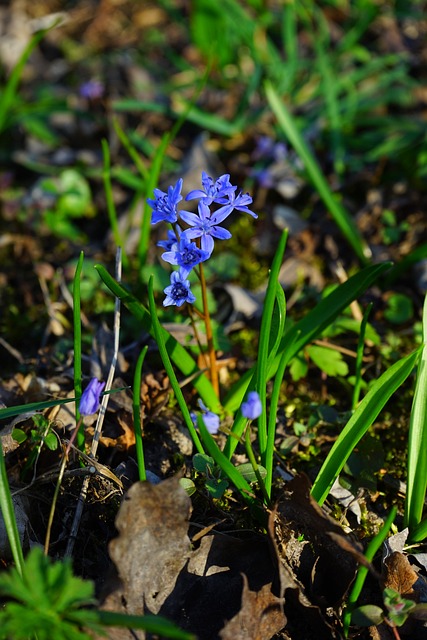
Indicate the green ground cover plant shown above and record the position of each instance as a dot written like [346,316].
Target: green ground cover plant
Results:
[332,110]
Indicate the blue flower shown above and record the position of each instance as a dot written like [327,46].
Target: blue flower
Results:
[168,244]
[186,255]
[238,202]
[252,408]
[210,419]
[164,204]
[179,291]
[212,191]
[89,402]
[205,225]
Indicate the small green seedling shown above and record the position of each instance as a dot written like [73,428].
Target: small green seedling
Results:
[41,435]
[395,612]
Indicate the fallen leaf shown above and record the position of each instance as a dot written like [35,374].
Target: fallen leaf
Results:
[398,574]
[153,545]
[303,533]
[260,617]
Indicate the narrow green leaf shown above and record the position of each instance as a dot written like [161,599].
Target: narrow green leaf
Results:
[136,408]
[359,423]
[265,340]
[362,571]
[163,350]
[222,461]
[8,513]
[309,327]
[342,218]
[11,88]
[77,343]
[156,625]
[417,442]
[179,356]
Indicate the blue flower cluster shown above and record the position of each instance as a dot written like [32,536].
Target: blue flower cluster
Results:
[180,248]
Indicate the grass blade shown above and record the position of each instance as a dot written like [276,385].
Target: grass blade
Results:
[312,325]
[11,88]
[159,337]
[156,625]
[362,571]
[8,513]
[136,405]
[265,340]
[222,461]
[111,207]
[340,215]
[359,357]
[417,442]
[179,356]
[77,344]
[360,421]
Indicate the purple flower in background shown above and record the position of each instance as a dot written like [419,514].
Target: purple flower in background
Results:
[164,204]
[205,225]
[264,148]
[171,240]
[186,255]
[210,419]
[212,191]
[89,402]
[280,151]
[179,291]
[252,408]
[91,90]
[267,149]
[264,177]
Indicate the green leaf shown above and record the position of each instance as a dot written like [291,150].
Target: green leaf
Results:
[328,360]
[216,487]
[188,485]
[247,471]
[203,463]
[49,600]
[367,616]
[359,423]
[51,441]
[399,309]
[75,199]
[298,367]
[19,435]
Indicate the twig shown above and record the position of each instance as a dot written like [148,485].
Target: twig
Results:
[98,428]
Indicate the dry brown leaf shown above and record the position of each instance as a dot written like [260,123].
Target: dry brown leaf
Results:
[325,569]
[199,590]
[227,587]
[153,545]
[260,617]
[399,574]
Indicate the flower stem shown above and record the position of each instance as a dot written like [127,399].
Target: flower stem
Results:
[209,337]
[254,464]
[58,485]
[196,335]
